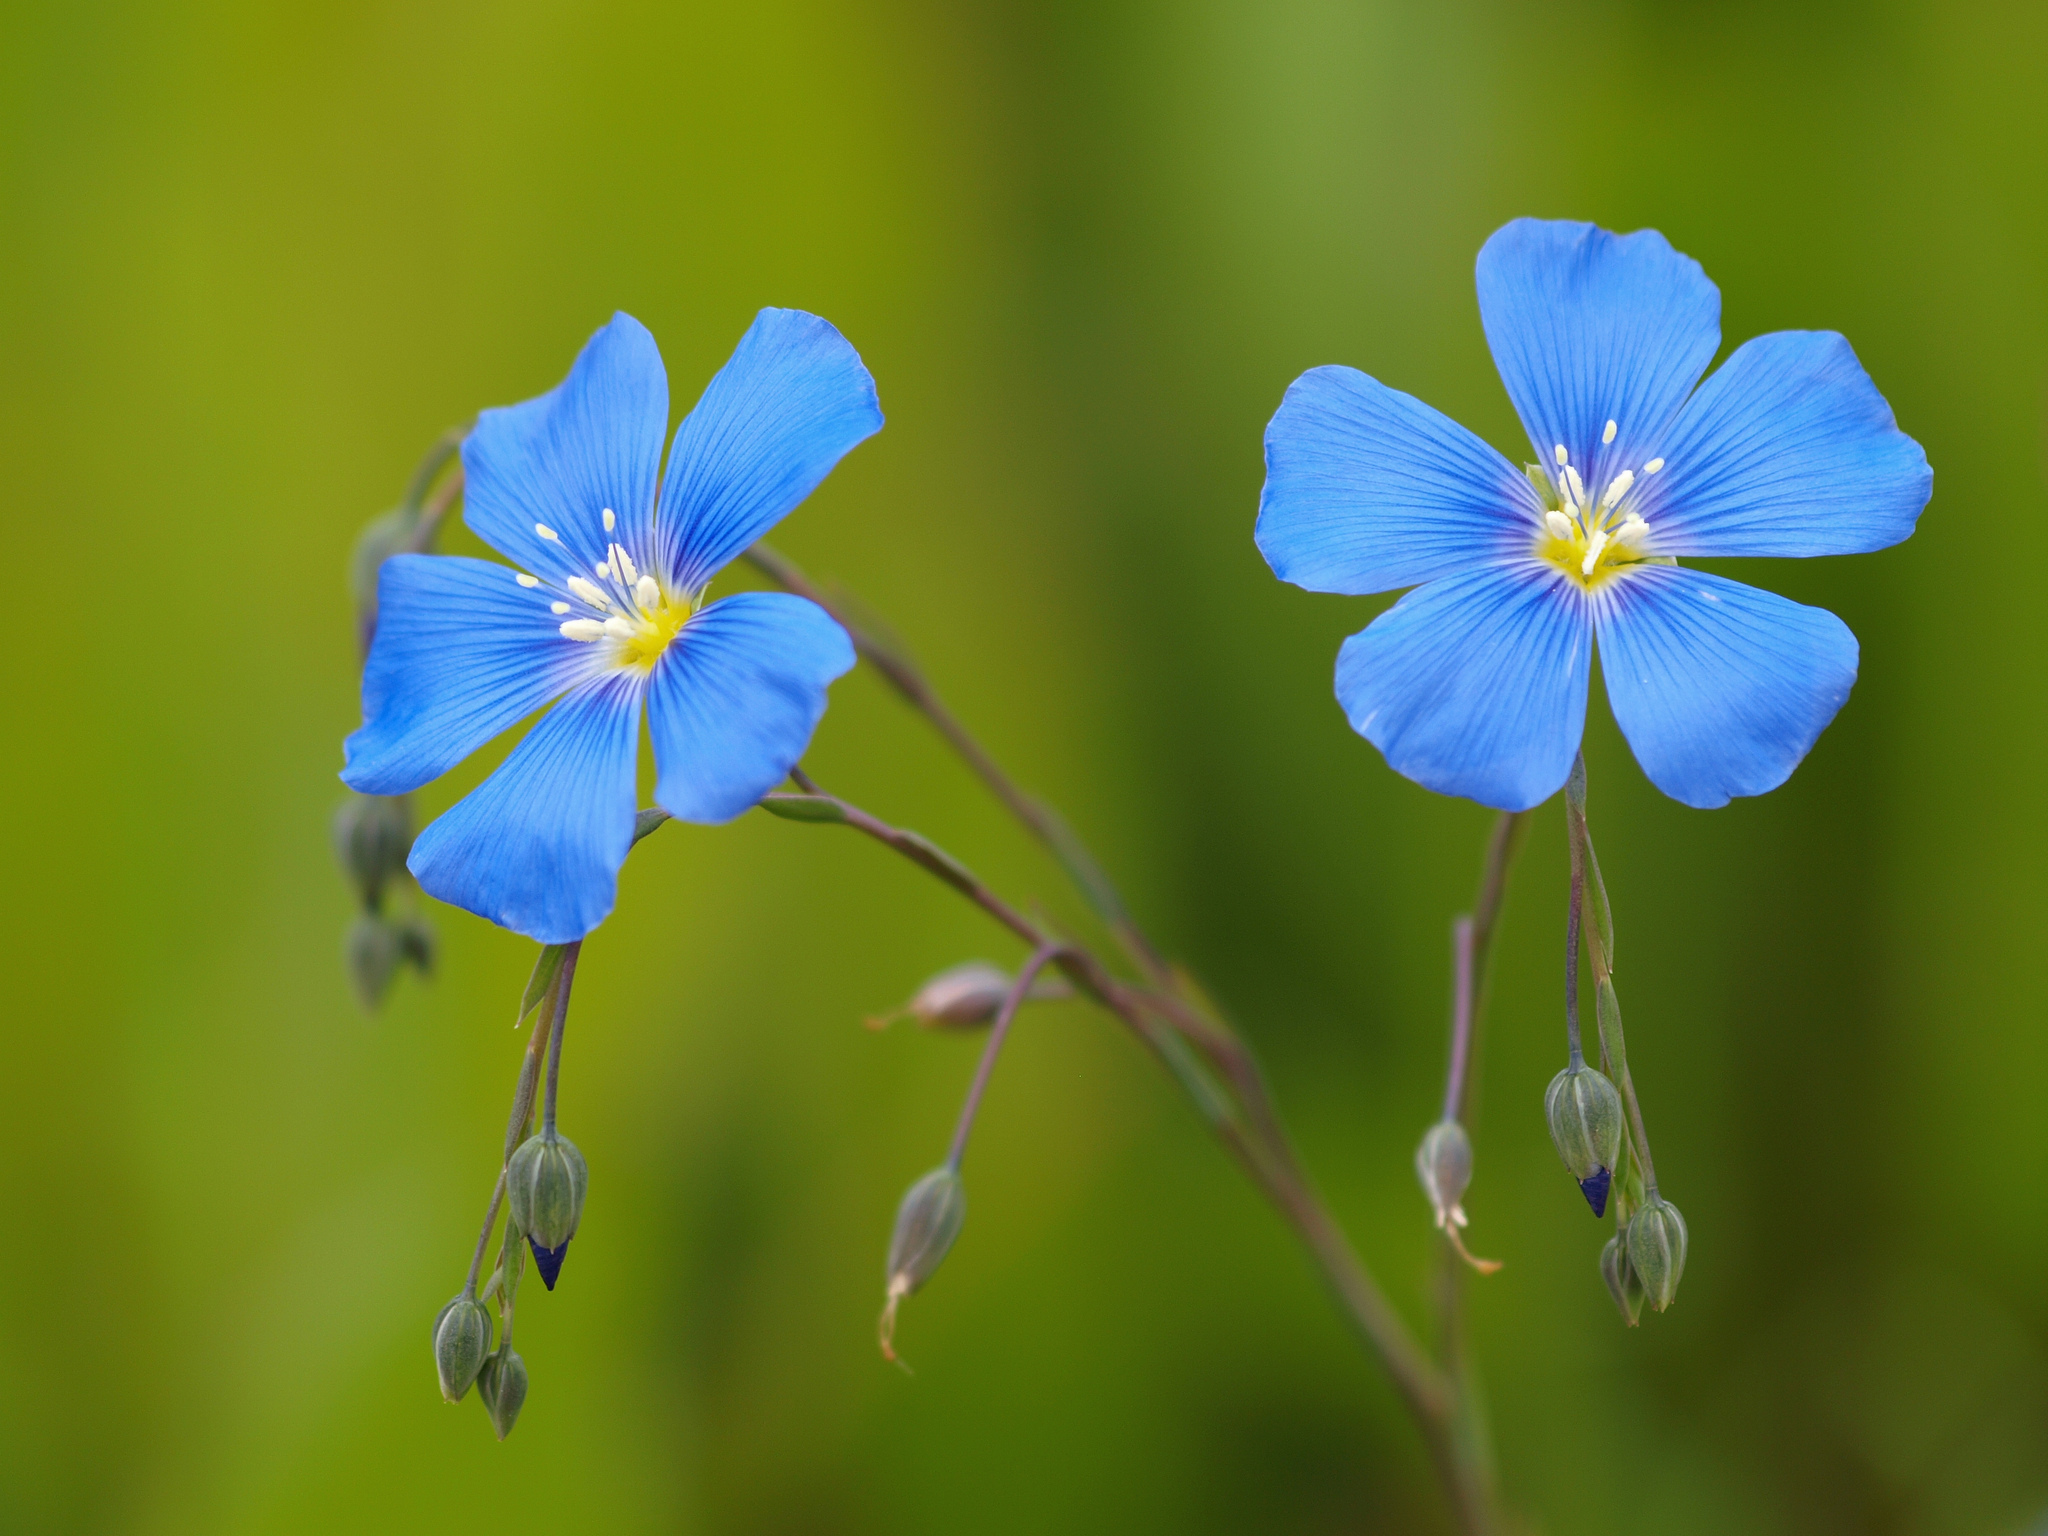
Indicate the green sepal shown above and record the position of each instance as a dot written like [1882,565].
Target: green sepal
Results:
[546,966]
[821,808]
[1541,483]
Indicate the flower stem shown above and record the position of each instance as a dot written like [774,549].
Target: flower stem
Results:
[998,1033]
[563,983]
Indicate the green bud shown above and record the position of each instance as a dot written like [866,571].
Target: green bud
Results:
[1656,1250]
[927,1222]
[545,1182]
[1622,1283]
[372,836]
[1584,1111]
[462,1336]
[373,950]
[416,944]
[502,1386]
[1444,1164]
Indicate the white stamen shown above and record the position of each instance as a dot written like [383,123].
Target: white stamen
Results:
[1561,527]
[547,533]
[618,627]
[1598,543]
[1578,486]
[624,562]
[558,607]
[604,568]
[1563,458]
[647,592]
[1634,528]
[1619,487]
[527,581]
[583,629]
[589,592]
[611,519]
[1653,466]
[1608,435]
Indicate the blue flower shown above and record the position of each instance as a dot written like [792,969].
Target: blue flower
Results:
[1475,682]
[606,612]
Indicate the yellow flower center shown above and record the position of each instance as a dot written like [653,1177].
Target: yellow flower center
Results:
[1593,538]
[634,613]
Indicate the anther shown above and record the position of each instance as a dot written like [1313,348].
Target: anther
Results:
[1563,458]
[527,581]
[1608,435]
[624,564]
[583,629]
[1653,466]
[547,533]
[1618,488]
[589,592]
[611,519]
[1578,486]
[618,628]
[1593,548]
[1561,527]
[558,607]
[647,592]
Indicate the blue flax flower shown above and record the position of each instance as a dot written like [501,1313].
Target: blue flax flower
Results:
[1475,682]
[606,612]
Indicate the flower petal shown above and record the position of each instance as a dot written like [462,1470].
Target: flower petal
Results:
[462,652]
[1476,685]
[792,402]
[560,460]
[537,846]
[1368,489]
[1787,450]
[735,698]
[1587,328]
[1720,688]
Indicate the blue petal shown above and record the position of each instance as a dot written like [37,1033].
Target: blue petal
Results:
[792,402]
[1720,688]
[462,652]
[1368,489]
[1587,328]
[590,444]
[1787,450]
[735,699]
[537,846]
[1476,685]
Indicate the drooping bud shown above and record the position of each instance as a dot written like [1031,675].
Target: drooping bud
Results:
[1656,1250]
[373,950]
[1622,1283]
[416,944]
[1584,1111]
[1444,1164]
[372,836]
[545,1183]
[967,995]
[462,1335]
[927,1222]
[502,1386]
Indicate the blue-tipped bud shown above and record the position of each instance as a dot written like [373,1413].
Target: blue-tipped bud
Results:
[1584,1111]
[545,1183]
[1622,1283]
[927,1222]
[372,836]
[1656,1250]
[1444,1164]
[502,1386]
[462,1337]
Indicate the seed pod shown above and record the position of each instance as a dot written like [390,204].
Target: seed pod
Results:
[1622,1283]
[1444,1164]
[1584,1111]
[502,1386]
[373,949]
[372,836]
[545,1183]
[927,1222]
[462,1335]
[1656,1250]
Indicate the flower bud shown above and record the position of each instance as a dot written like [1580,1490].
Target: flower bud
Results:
[545,1183]
[373,950]
[1656,1250]
[1622,1283]
[372,836]
[927,1222]
[462,1335]
[1444,1164]
[1585,1122]
[502,1386]
[966,995]
[416,944]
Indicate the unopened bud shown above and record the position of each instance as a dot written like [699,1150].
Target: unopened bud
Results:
[1444,1164]
[1656,1250]
[1585,1122]
[372,836]
[967,995]
[1622,1283]
[373,950]
[381,538]
[545,1182]
[927,1222]
[502,1386]
[462,1335]
[416,944]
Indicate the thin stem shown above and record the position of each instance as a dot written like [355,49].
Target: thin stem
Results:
[563,983]
[1019,990]
[436,458]
[1571,958]
[1461,1015]
[1471,954]
[483,1238]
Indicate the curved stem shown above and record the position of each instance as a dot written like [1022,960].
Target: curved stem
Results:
[566,980]
[998,1033]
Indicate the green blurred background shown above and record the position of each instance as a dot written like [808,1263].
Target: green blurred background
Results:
[254,257]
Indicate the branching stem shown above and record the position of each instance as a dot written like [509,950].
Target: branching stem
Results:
[998,1033]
